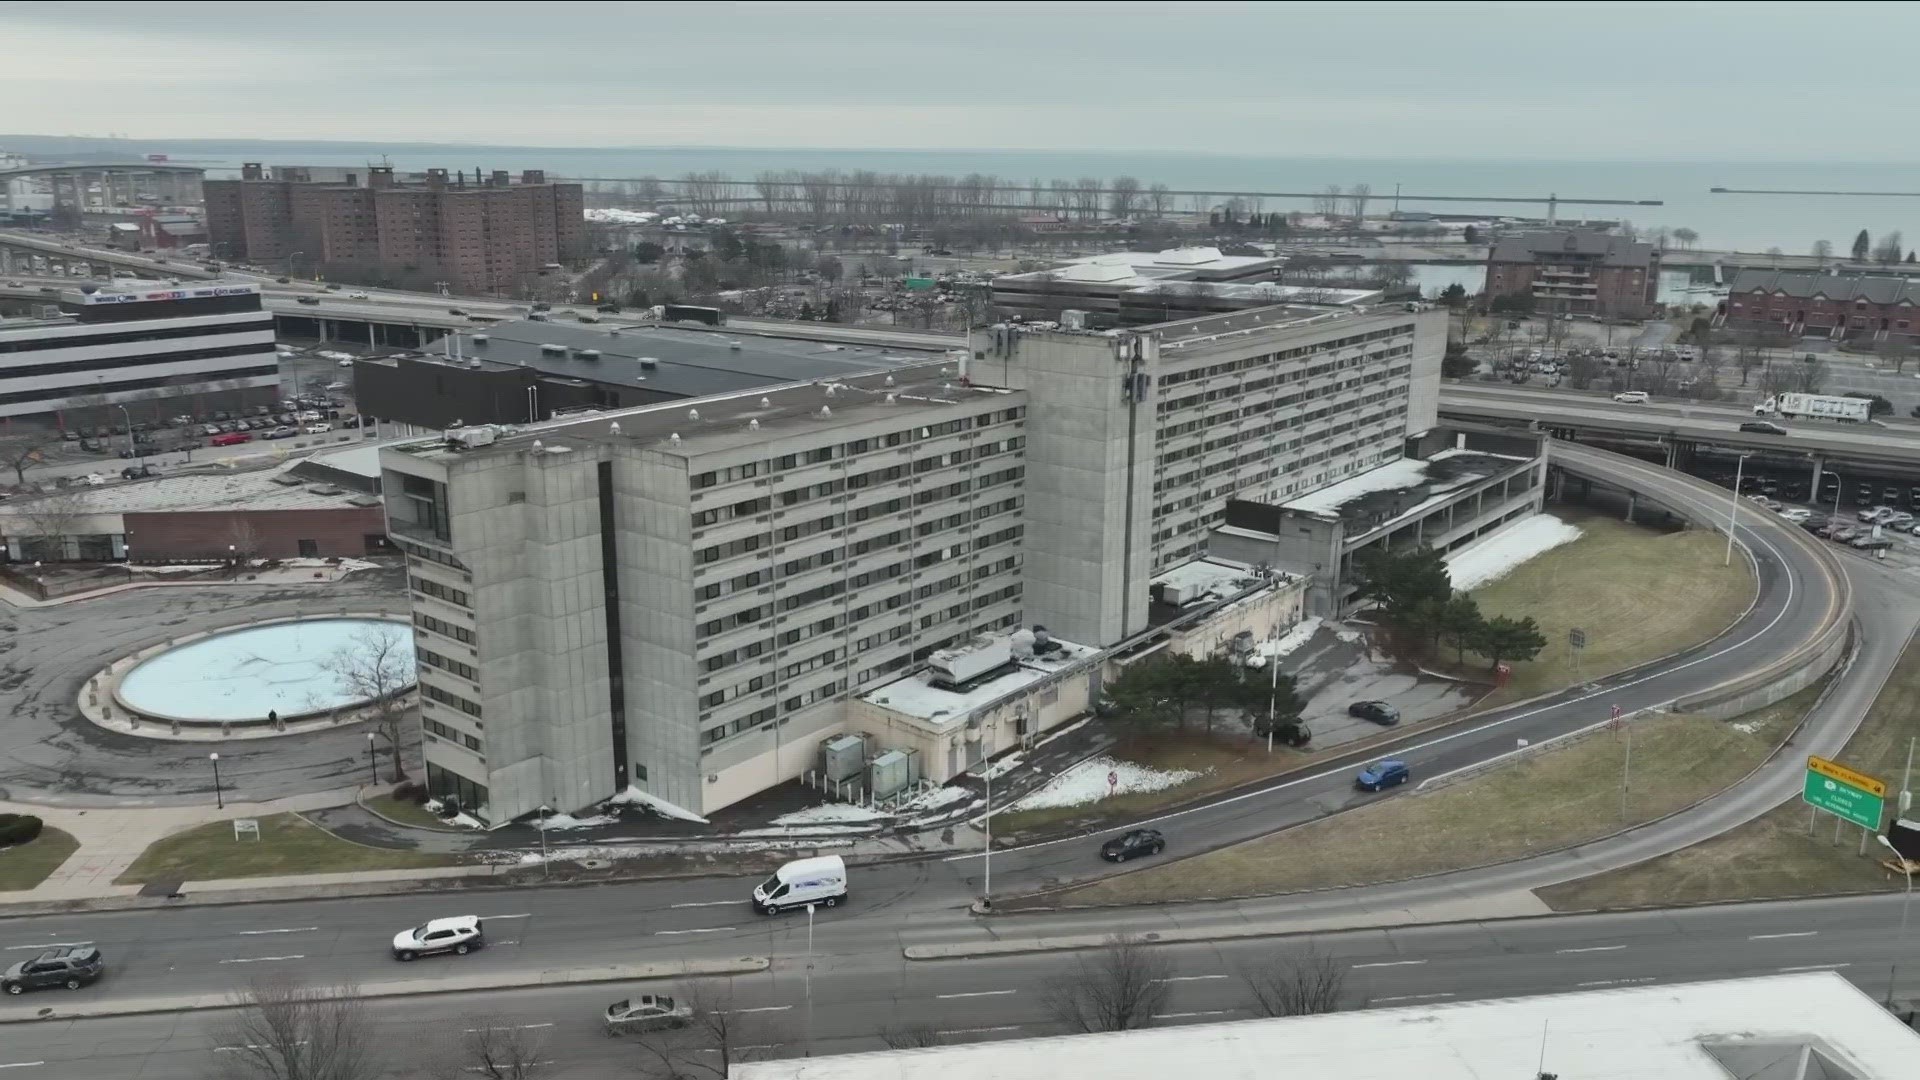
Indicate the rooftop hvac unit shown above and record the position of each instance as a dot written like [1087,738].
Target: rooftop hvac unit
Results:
[587,354]
[954,667]
[469,438]
[1073,320]
[480,339]
[842,757]
[648,363]
[550,347]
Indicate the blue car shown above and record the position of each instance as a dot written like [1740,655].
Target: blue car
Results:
[1382,774]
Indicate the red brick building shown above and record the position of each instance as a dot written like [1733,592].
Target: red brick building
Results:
[478,236]
[1576,272]
[1828,305]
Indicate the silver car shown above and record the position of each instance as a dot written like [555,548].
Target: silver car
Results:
[646,1012]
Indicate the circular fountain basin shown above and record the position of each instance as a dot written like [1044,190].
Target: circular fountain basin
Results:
[241,675]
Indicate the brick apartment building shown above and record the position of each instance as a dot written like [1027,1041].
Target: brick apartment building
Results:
[480,235]
[1576,272]
[1877,308]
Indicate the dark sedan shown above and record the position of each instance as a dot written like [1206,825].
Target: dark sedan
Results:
[1377,711]
[1131,844]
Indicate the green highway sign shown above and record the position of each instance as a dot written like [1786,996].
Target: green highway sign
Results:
[1844,793]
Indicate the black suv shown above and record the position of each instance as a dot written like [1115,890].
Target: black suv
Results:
[72,968]
[1138,842]
[1377,711]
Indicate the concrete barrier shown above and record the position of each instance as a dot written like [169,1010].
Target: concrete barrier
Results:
[575,976]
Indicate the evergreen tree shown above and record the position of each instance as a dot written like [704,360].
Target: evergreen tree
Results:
[1862,246]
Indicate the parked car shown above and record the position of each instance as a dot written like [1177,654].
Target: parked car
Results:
[231,438]
[1815,522]
[460,935]
[1873,513]
[307,300]
[71,436]
[1899,519]
[1763,427]
[136,472]
[336,386]
[646,1012]
[1870,542]
[1383,774]
[72,967]
[282,432]
[317,429]
[1633,397]
[344,363]
[356,296]
[1133,844]
[1795,514]
[284,280]
[1377,711]
[456,311]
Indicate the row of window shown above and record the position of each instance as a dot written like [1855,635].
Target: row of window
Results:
[820,455]
[448,698]
[441,626]
[441,592]
[1248,363]
[447,663]
[458,738]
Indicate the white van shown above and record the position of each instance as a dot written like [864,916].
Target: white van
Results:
[821,880]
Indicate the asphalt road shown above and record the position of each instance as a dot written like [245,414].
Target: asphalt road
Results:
[50,754]
[857,995]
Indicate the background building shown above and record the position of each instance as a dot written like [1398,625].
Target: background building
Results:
[1576,272]
[135,343]
[1097,284]
[478,236]
[1843,308]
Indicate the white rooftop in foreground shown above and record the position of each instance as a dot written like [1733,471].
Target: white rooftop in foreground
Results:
[1739,1029]
[1394,475]
[1209,577]
[912,696]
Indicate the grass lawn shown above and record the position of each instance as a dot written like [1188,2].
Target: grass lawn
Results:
[1226,761]
[1773,856]
[25,865]
[1639,594]
[287,845]
[1550,800]
[406,812]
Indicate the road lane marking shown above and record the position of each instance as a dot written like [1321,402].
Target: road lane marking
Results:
[978,1031]
[1390,963]
[1189,978]
[762,1008]
[1185,1015]
[1410,997]
[1593,948]
[1770,937]
[522,915]
[263,959]
[976,993]
[1815,967]
[701,930]
[53,945]
[1616,982]
[21,1064]
[251,1046]
[516,1027]
[756,1046]
[710,903]
[284,930]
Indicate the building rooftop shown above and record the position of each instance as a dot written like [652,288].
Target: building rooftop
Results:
[1264,291]
[1129,269]
[271,488]
[1801,1026]
[1401,486]
[912,696]
[1206,579]
[686,362]
[1876,290]
[1547,245]
[743,418]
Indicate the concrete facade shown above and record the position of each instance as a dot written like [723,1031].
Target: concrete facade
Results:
[1140,437]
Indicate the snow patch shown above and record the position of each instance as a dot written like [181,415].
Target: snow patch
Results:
[1749,727]
[810,830]
[1286,644]
[937,799]
[465,821]
[1498,555]
[611,853]
[180,568]
[1087,782]
[1347,634]
[1068,730]
[633,796]
[832,814]
[568,821]
[1000,768]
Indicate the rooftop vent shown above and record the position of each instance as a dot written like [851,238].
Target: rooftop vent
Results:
[648,363]
[587,354]
[550,347]
[614,428]
[766,403]
[538,446]
[693,414]
[891,397]
[674,438]
[753,425]
[888,381]
[825,411]
[480,339]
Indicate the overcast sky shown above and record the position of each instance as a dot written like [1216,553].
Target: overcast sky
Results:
[1670,81]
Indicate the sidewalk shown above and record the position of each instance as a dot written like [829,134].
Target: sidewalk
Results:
[111,839]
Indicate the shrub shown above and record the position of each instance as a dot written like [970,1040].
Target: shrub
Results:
[409,791]
[18,828]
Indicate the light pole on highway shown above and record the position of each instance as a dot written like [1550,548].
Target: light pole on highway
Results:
[290,256]
[807,980]
[1893,968]
[1837,488]
[986,887]
[1733,514]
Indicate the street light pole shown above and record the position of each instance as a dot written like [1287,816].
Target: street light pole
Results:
[127,419]
[986,889]
[1893,970]
[373,761]
[219,801]
[544,811]
[1733,514]
[807,978]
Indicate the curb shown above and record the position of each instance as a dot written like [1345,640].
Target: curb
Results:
[745,965]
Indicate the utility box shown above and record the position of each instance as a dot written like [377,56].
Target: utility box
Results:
[842,757]
[893,772]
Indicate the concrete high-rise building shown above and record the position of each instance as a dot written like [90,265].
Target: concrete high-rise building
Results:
[481,235]
[688,597]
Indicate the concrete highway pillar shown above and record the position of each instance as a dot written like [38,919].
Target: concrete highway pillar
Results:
[1633,501]
[323,330]
[1813,482]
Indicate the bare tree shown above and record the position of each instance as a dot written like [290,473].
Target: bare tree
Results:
[1327,203]
[1311,982]
[1160,198]
[243,540]
[1124,197]
[1685,237]
[1823,250]
[376,667]
[912,1036]
[49,519]
[1582,370]
[1812,375]
[23,451]
[283,1029]
[492,1047]
[1357,198]
[1888,249]
[716,1037]
[1118,988]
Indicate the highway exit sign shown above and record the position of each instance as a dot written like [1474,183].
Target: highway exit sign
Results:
[1844,793]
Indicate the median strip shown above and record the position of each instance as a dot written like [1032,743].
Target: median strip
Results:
[170,1003]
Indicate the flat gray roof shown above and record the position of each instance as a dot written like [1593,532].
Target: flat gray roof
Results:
[688,362]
